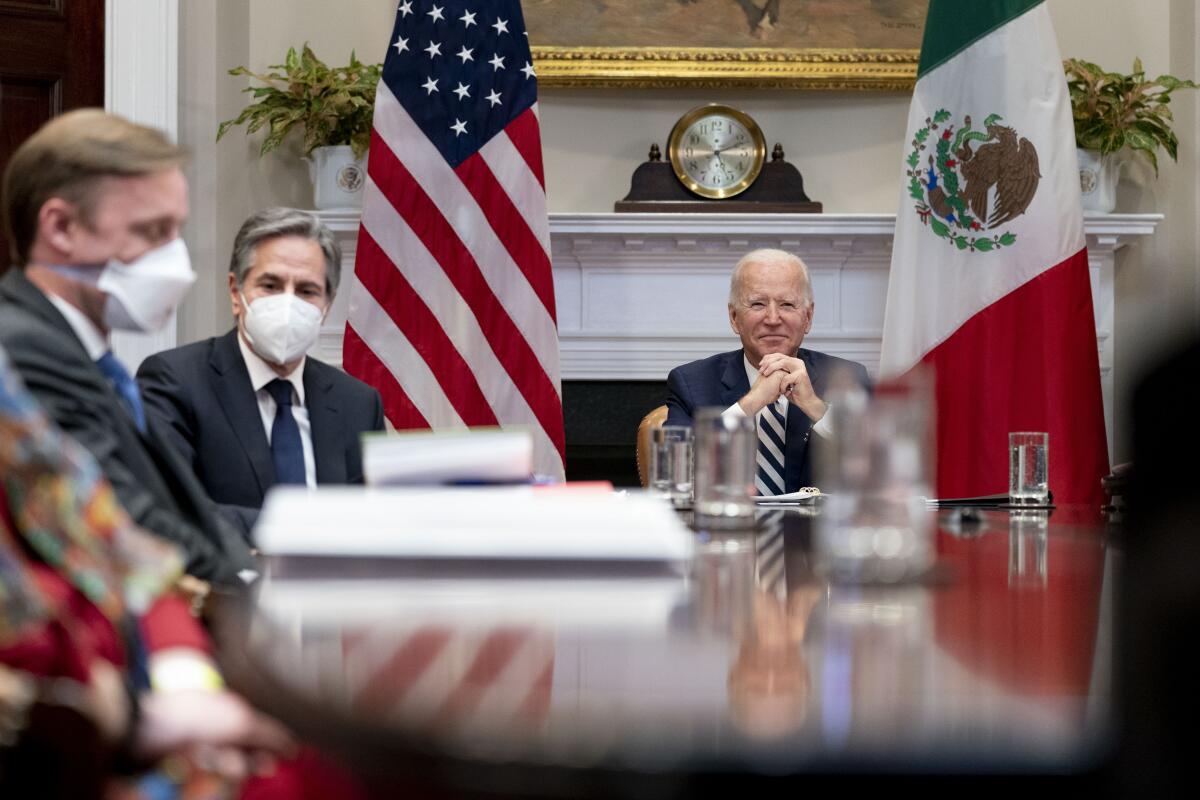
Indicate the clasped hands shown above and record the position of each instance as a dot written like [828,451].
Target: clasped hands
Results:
[783,376]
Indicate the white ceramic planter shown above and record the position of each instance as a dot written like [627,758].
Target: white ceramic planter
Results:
[1098,180]
[337,176]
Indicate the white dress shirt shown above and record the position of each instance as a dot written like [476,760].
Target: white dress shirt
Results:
[822,427]
[260,375]
[92,338]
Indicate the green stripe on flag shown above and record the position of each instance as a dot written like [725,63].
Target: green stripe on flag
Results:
[952,25]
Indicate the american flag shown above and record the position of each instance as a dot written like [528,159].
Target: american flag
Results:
[451,307]
[444,676]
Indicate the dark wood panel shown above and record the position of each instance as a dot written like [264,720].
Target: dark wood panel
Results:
[32,8]
[25,104]
[51,60]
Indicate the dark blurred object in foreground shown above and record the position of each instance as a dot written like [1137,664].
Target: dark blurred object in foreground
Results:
[1116,484]
[1160,618]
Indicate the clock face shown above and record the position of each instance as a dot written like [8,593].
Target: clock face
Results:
[716,151]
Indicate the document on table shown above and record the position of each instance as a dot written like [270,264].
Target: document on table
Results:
[472,523]
[425,457]
[643,603]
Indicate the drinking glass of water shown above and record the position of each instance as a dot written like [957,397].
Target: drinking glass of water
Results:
[1028,468]
[726,445]
[671,463]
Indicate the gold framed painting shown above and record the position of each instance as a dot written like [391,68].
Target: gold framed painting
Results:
[812,44]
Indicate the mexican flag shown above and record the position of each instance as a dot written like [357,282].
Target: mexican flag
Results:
[989,278]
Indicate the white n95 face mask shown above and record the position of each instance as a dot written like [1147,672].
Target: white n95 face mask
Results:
[143,293]
[281,327]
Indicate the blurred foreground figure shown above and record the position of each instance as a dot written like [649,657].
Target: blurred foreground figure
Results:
[1160,617]
[102,666]
[92,206]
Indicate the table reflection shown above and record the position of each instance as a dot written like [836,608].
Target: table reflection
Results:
[753,658]
[1027,542]
[770,682]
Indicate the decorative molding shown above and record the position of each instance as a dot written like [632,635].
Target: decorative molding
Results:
[638,294]
[713,67]
[141,83]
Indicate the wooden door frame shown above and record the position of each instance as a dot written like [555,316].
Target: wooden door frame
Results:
[141,83]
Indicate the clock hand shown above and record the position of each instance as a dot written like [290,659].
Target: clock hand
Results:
[724,169]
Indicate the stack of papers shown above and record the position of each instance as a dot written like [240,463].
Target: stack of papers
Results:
[477,524]
[645,603]
[343,555]
[469,456]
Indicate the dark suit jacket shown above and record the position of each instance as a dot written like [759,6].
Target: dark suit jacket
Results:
[202,397]
[721,381]
[157,489]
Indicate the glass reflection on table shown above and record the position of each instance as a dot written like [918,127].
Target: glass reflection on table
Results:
[989,661]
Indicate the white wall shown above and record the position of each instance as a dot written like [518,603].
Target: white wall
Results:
[848,145]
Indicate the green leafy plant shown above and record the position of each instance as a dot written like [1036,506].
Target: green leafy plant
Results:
[1114,110]
[333,105]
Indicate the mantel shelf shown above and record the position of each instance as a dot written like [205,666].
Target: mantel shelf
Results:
[568,224]
[638,294]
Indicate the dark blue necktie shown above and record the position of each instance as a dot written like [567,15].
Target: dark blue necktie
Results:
[286,449]
[125,386]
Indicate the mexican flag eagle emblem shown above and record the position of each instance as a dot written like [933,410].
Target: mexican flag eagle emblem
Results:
[969,182]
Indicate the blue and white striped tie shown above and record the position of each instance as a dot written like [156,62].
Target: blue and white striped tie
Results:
[769,557]
[772,433]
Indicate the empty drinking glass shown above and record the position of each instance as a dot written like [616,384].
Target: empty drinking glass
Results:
[876,472]
[671,463]
[725,462]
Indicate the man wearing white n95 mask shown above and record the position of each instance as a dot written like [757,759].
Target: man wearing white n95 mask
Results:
[92,207]
[249,410]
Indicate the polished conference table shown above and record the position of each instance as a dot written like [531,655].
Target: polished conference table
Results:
[572,681]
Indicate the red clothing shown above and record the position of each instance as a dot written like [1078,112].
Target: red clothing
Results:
[70,639]
[75,632]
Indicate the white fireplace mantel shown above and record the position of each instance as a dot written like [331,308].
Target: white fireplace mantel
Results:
[638,294]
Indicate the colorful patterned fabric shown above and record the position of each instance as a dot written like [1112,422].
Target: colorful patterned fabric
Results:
[55,500]
[20,604]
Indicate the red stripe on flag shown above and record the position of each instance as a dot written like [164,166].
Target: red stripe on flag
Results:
[1038,638]
[492,657]
[389,683]
[537,703]
[510,227]
[359,360]
[352,640]
[1027,362]
[505,339]
[526,136]
[412,317]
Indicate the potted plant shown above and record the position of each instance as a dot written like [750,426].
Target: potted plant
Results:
[1113,111]
[333,106]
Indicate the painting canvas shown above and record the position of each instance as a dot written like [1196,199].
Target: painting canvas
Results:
[817,43]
